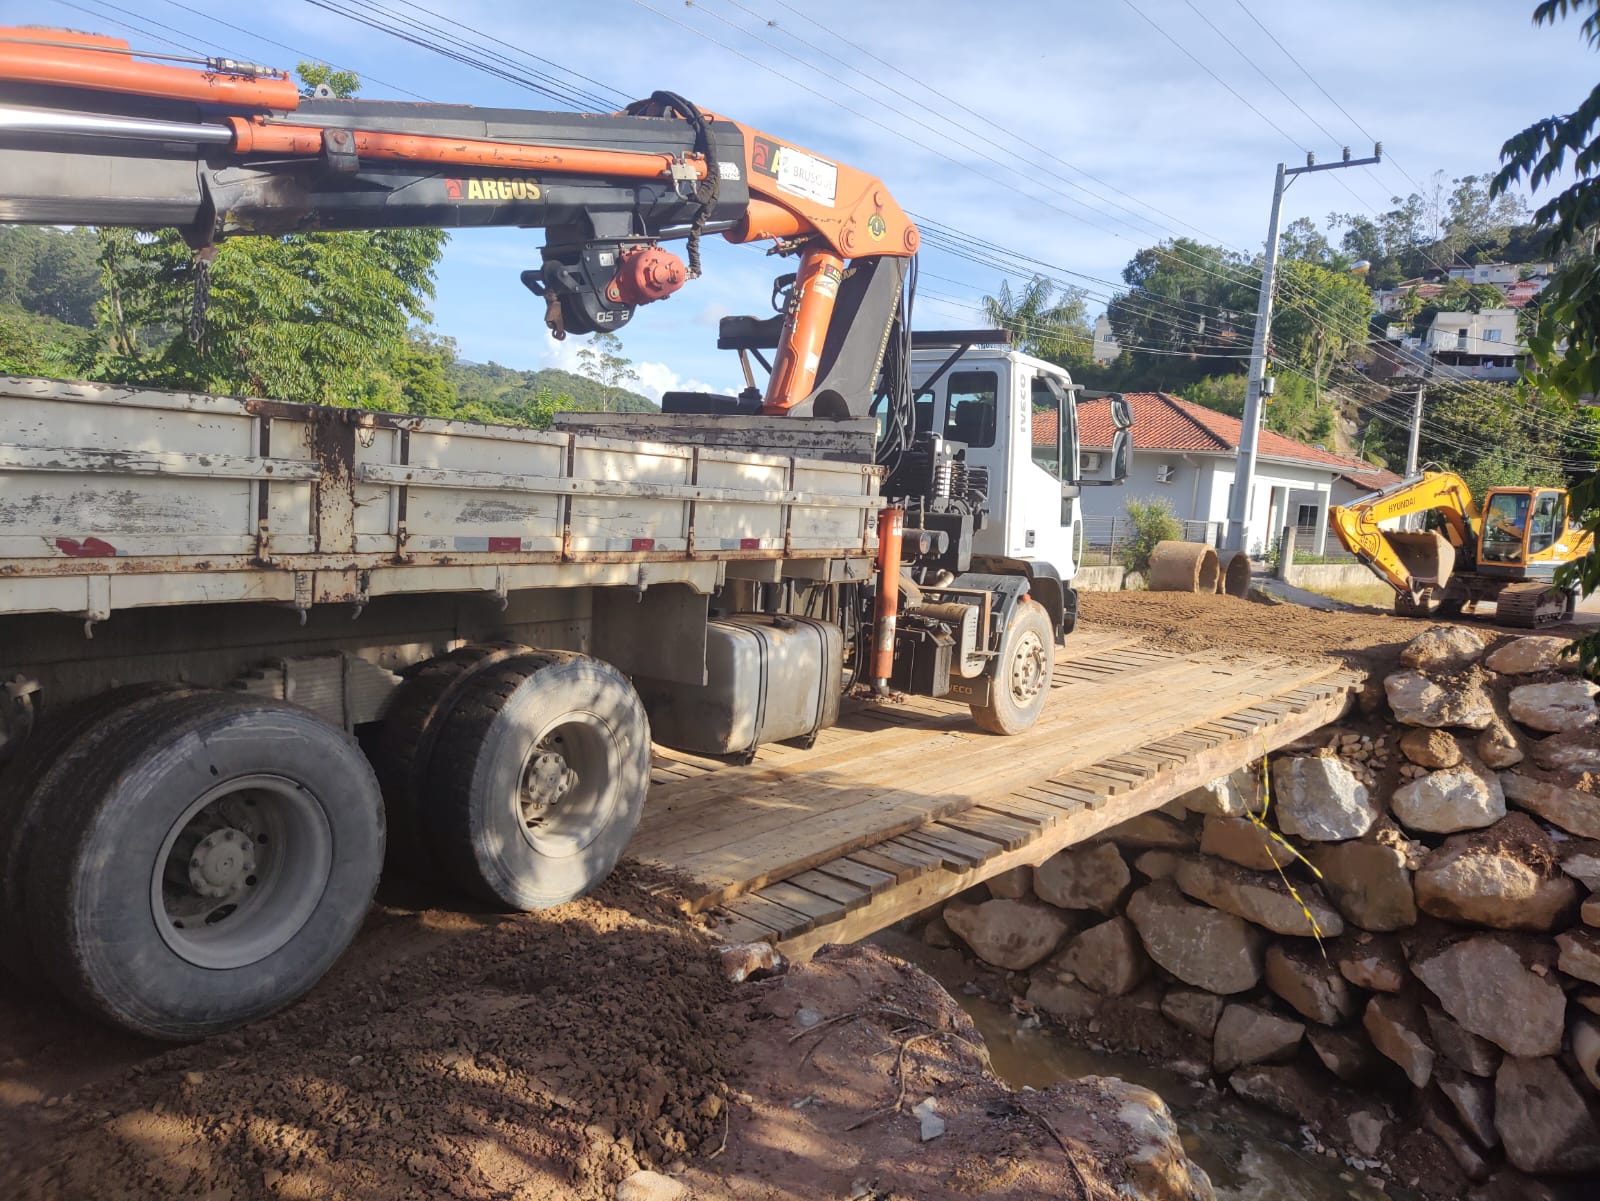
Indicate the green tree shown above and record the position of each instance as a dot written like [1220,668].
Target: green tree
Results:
[1322,318]
[1046,321]
[51,272]
[1186,314]
[603,362]
[1153,522]
[1565,346]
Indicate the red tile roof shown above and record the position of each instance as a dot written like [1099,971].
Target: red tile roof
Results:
[1164,422]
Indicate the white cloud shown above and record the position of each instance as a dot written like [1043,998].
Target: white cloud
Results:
[656,378]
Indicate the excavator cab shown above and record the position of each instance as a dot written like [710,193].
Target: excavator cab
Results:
[1505,527]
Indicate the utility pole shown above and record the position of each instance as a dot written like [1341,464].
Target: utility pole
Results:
[1244,472]
[1416,435]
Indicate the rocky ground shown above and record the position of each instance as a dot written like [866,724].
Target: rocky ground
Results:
[1393,937]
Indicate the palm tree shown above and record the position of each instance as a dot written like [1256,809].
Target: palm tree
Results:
[1044,320]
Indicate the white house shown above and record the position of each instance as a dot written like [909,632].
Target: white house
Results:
[1186,453]
[1499,274]
[1106,348]
[1481,345]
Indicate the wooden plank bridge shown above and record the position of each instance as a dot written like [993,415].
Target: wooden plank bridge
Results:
[901,806]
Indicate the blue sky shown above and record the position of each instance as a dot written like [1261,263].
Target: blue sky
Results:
[1071,131]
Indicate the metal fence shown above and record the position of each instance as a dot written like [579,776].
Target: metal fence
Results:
[1107,535]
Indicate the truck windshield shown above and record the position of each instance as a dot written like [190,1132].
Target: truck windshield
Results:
[1504,522]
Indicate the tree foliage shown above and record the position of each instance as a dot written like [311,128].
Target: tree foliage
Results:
[602,361]
[1565,346]
[1046,321]
[1153,521]
[52,272]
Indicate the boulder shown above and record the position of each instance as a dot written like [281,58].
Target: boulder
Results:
[1585,1036]
[1009,934]
[1437,1121]
[1564,708]
[1399,1031]
[1497,745]
[1261,898]
[1473,1100]
[1151,832]
[1249,1034]
[1589,911]
[1443,647]
[1196,1012]
[1366,1129]
[1372,963]
[1579,954]
[1285,1088]
[1065,999]
[1418,701]
[1574,810]
[1369,879]
[1581,861]
[1466,797]
[937,932]
[1489,984]
[1197,944]
[1430,748]
[1156,1165]
[1157,865]
[1542,1119]
[1534,652]
[1013,884]
[1504,877]
[1568,752]
[1107,959]
[1311,985]
[1320,799]
[1248,843]
[1232,795]
[1090,878]
[1462,1048]
[1343,1052]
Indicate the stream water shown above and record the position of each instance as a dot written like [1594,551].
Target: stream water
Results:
[1250,1153]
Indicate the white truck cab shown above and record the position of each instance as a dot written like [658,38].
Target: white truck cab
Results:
[1017,417]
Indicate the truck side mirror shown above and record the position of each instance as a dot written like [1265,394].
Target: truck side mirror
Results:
[1121,451]
[1121,413]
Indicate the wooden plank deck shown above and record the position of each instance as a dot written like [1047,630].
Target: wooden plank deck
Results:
[899,806]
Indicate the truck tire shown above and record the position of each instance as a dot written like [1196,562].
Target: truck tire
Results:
[47,761]
[403,746]
[1021,683]
[207,864]
[538,779]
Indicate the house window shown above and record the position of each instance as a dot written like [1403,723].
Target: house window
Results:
[1306,517]
[1491,335]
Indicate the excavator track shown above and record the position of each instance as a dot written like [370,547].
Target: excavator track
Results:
[1529,605]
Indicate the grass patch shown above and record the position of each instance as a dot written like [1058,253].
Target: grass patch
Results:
[1376,594]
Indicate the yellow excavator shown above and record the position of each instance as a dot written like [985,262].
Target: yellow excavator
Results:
[1506,553]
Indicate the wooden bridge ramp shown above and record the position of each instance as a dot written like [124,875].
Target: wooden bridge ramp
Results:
[901,806]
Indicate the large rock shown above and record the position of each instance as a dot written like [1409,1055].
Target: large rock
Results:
[1586,1048]
[1369,879]
[1438,1121]
[1196,1012]
[1498,745]
[1579,954]
[1504,877]
[1151,832]
[1542,1119]
[1535,652]
[1563,708]
[1311,985]
[1261,898]
[1372,963]
[1107,958]
[1589,912]
[1009,934]
[1443,647]
[1248,1034]
[1249,844]
[1013,884]
[1065,999]
[1429,747]
[1157,1167]
[1199,945]
[1466,797]
[1462,1048]
[1232,795]
[1581,861]
[1320,799]
[1092,878]
[1345,1053]
[1568,752]
[1399,1031]
[1489,984]
[1574,810]
[1158,865]
[1419,701]
[1472,1099]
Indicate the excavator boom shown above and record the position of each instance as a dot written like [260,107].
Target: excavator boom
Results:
[1410,562]
[92,134]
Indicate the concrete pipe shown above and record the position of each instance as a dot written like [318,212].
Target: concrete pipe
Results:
[1234,576]
[1183,567]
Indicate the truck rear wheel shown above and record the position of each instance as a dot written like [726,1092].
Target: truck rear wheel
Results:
[206,865]
[538,779]
[1021,683]
[404,746]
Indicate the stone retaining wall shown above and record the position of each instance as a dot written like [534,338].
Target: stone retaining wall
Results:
[1099,579]
[1323,576]
[1396,941]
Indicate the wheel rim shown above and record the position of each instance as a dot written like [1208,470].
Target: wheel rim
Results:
[1029,669]
[565,798]
[241,871]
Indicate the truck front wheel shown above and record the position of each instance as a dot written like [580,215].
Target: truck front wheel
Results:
[1021,682]
[538,779]
[206,866]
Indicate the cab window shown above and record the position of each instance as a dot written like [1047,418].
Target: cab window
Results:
[1504,522]
[1546,526]
[972,406]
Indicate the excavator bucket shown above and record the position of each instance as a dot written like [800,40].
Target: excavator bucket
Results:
[1428,557]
